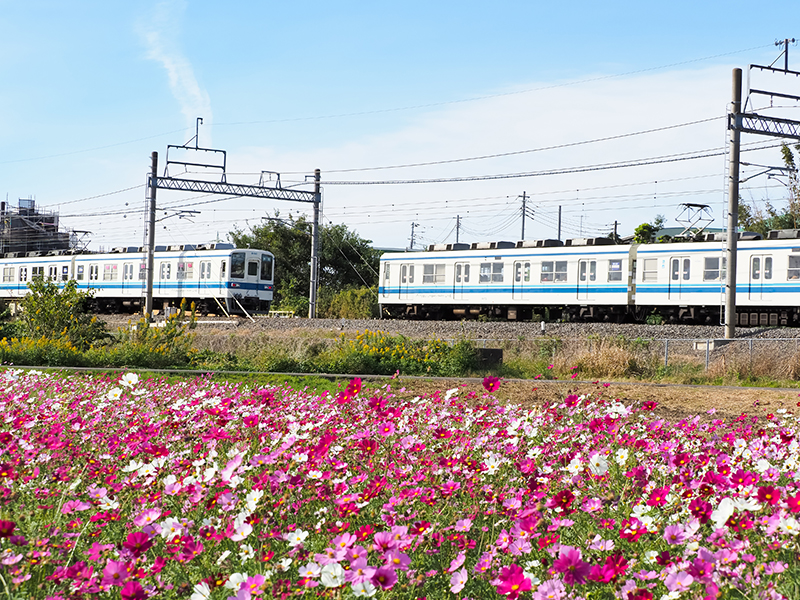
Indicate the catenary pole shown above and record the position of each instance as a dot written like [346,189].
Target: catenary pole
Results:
[312,294]
[524,198]
[151,237]
[733,207]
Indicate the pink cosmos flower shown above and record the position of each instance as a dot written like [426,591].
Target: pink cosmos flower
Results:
[552,589]
[458,580]
[138,543]
[146,517]
[463,525]
[115,573]
[569,563]
[359,571]
[250,421]
[491,384]
[133,590]
[674,534]
[74,506]
[512,581]
[678,582]
[397,560]
[354,387]
[384,578]
[7,528]
[457,561]
[658,497]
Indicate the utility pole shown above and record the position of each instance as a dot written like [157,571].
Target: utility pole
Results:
[312,293]
[151,237]
[524,198]
[559,223]
[733,206]
[413,225]
[785,44]
[616,237]
[458,226]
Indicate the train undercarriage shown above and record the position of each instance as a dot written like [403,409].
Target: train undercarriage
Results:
[700,315]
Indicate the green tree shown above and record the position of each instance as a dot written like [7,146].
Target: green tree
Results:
[753,217]
[646,232]
[347,261]
[51,311]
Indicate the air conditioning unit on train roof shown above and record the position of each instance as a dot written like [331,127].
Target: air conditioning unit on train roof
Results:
[783,234]
[590,242]
[501,245]
[745,236]
[539,243]
[11,255]
[118,250]
[55,253]
[481,245]
[445,247]
[33,253]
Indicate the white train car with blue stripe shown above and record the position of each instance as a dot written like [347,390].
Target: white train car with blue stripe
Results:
[586,278]
[216,277]
[595,279]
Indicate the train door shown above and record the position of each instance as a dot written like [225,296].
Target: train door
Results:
[460,280]
[679,274]
[587,278]
[386,278]
[522,279]
[164,276]
[760,276]
[406,279]
[127,277]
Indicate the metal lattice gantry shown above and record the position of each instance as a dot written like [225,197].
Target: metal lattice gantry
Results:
[771,126]
[223,187]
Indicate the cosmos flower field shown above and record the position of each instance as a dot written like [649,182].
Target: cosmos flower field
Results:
[121,488]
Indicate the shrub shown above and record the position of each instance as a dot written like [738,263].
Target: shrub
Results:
[51,311]
[354,303]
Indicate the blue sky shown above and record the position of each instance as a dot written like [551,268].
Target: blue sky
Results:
[92,88]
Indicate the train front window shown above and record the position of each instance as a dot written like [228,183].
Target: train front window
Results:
[266,267]
[252,268]
[237,265]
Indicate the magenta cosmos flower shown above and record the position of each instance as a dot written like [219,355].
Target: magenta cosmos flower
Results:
[513,581]
[569,563]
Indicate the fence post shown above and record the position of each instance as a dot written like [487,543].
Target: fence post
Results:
[751,353]
[708,348]
[666,353]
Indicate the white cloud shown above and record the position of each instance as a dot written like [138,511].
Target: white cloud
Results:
[158,33]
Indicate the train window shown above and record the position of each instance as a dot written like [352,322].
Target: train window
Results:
[794,268]
[712,272]
[615,270]
[650,269]
[127,271]
[222,267]
[433,273]
[237,265]
[561,270]
[64,273]
[497,272]
[755,272]
[386,272]
[675,269]
[94,272]
[517,271]
[142,271]
[592,270]
[404,273]
[8,274]
[165,271]
[266,267]
[109,272]
[252,268]
[686,265]
[52,272]
[411,273]
[485,275]
[768,267]
[79,274]
[37,272]
[547,270]
[185,270]
[205,270]
[23,274]
[526,272]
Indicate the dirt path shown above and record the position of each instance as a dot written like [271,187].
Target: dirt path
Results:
[673,401]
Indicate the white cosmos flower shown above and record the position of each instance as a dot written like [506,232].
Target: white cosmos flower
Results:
[236,580]
[106,503]
[723,512]
[312,570]
[621,456]
[332,575]
[246,552]
[114,394]
[598,464]
[201,592]
[129,380]
[298,536]
[364,589]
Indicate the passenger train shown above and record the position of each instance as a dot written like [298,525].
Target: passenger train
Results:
[596,279]
[217,277]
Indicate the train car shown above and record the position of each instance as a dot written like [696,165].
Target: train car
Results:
[595,279]
[584,278]
[216,277]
